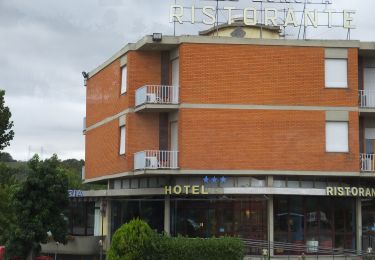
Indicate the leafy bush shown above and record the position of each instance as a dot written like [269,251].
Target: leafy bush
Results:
[136,240]
[130,241]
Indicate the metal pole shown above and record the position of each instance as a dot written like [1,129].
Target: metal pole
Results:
[261,19]
[101,246]
[217,17]
[174,22]
[102,236]
[57,246]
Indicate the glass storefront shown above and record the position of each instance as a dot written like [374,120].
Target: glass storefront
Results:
[368,223]
[81,218]
[300,221]
[150,210]
[316,221]
[245,217]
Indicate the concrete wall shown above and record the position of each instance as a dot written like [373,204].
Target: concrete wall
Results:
[79,246]
[250,33]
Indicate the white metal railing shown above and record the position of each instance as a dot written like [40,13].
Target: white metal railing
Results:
[156,94]
[84,124]
[367,98]
[367,162]
[155,159]
[83,175]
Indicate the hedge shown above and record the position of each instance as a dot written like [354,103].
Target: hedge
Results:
[135,240]
[183,248]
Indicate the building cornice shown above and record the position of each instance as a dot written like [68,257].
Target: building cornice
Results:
[171,42]
[212,191]
[227,106]
[248,172]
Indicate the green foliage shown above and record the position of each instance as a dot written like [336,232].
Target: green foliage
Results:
[73,164]
[39,204]
[130,241]
[8,183]
[6,132]
[73,170]
[136,240]
[183,248]
[6,157]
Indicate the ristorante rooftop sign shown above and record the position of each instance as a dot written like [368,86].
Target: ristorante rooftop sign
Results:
[267,14]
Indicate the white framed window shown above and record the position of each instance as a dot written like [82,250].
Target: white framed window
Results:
[122,140]
[336,73]
[337,137]
[124,76]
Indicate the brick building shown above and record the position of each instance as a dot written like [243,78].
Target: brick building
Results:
[258,138]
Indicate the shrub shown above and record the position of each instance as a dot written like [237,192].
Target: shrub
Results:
[130,241]
[183,248]
[136,240]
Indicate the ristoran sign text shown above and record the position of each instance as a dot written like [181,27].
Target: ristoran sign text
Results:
[350,191]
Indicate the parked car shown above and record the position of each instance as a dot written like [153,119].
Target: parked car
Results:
[2,252]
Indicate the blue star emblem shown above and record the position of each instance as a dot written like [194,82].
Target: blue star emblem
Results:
[214,179]
[222,179]
[206,179]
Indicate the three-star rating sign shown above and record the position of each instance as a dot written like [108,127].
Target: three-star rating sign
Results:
[213,179]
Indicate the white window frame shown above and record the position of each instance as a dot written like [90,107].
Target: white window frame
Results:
[122,141]
[124,78]
[332,66]
[333,134]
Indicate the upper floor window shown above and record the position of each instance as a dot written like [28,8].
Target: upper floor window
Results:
[337,136]
[336,73]
[124,76]
[122,140]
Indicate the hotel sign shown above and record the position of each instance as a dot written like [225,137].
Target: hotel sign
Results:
[185,189]
[350,191]
[267,14]
[194,189]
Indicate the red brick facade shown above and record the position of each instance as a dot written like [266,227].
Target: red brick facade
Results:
[227,139]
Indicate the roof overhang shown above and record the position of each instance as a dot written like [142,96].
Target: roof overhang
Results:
[172,42]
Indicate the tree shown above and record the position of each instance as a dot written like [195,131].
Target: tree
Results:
[39,203]
[73,170]
[6,157]
[8,183]
[6,132]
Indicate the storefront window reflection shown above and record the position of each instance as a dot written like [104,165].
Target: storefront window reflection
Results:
[315,222]
[151,211]
[368,223]
[246,218]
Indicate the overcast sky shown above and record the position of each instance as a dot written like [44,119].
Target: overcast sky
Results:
[46,44]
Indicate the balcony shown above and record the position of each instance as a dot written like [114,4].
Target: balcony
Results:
[367,100]
[155,159]
[367,162]
[156,98]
